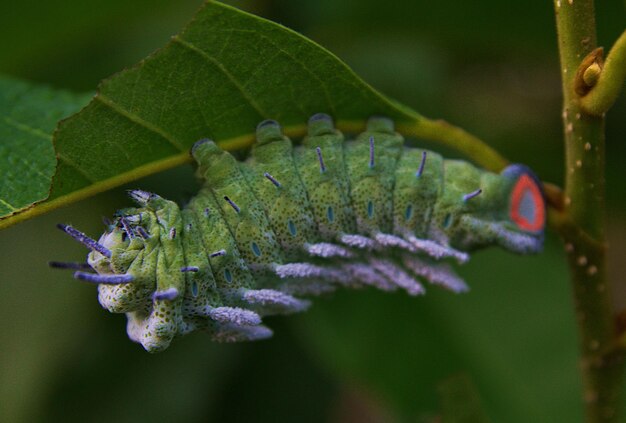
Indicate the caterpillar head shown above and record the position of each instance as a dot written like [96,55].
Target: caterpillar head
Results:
[481,208]
[133,233]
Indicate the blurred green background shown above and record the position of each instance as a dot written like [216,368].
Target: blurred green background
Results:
[357,356]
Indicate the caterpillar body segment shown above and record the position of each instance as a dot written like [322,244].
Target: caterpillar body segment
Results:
[284,199]
[322,169]
[371,186]
[295,221]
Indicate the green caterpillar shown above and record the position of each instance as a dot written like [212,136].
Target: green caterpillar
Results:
[300,221]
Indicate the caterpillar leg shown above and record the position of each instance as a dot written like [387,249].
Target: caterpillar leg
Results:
[437,274]
[154,329]
[232,333]
[437,251]
[398,276]
[274,302]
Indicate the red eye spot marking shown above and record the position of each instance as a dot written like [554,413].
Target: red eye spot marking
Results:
[527,206]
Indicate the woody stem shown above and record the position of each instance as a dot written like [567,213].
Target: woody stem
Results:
[583,221]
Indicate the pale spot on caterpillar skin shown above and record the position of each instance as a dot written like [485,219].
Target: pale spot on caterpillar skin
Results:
[292,228]
[330,215]
[408,212]
[228,276]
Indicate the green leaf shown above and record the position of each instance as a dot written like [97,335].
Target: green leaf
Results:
[223,74]
[28,115]
[218,78]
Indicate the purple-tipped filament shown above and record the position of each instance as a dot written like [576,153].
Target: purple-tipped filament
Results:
[272,180]
[189,269]
[420,170]
[85,240]
[127,228]
[218,253]
[168,294]
[232,204]
[321,159]
[106,279]
[69,265]
[472,194]
[142,232]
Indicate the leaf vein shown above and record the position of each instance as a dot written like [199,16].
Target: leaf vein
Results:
[28,129]
[7,205]
[322,83]
[258,69]
[33,166]
[140,121]
[74,166]
[226,73]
